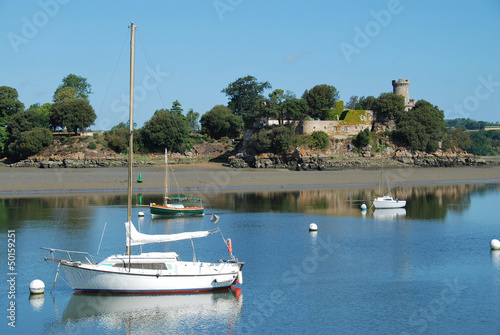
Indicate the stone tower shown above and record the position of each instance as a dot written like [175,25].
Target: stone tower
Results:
[401,87]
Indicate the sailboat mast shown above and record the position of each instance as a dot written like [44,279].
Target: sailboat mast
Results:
[166,173]
[131,126]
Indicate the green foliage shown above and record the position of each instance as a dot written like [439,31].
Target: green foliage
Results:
[362,139]
[166,130]
[468,124]
[320,97]
[117,137]
[9,104]
[4,137]
[422,127]
[388,106]
[243,94]
[176,107]
[320,139]
[65,93]
[365,103]
[261,140]
[281,139]
[83,89]
[92,145]
[456,138]
[220,121]
[293,109]
[74,114]
[192,118]
[485,143]
[277,140]
[29,143]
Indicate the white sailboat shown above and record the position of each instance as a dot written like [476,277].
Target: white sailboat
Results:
[146,273]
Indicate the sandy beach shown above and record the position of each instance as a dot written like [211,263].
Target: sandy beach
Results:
[217,177]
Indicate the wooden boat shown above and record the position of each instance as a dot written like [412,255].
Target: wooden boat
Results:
[176,206]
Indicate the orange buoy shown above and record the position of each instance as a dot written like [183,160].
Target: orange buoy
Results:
[229,246]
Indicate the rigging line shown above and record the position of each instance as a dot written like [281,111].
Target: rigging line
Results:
[158,88]
[54,229]
[113,74]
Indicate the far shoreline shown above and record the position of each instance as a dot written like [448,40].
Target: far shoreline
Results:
[211,177]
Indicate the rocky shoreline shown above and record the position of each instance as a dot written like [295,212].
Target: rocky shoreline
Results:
[302,160]
[296,160]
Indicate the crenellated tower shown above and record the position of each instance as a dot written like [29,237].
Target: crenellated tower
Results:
[401,87]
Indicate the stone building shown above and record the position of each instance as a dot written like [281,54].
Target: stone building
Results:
[401,87]
[341,123]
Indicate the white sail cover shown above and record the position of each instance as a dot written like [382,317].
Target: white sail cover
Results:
[136,238]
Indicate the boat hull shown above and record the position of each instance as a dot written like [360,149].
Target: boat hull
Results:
[172,211]
[389,204]
[92,278]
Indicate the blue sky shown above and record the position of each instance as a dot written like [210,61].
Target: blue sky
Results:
[190,50]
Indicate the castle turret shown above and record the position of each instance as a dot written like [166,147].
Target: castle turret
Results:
[401,87]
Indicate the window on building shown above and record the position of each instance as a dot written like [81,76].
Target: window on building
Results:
[335,128]
[345,128]
[355,127]
[362,117]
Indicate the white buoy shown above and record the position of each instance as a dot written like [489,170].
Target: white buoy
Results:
[37,287]
[313,227]
[495,244]
[363,207]
[141,214]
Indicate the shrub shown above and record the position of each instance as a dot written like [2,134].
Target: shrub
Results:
[320,139]
[92,145]
[282,138]
[29,143]
[362,139]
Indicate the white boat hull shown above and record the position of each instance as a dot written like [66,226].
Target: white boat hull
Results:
[190,278]
[389,204]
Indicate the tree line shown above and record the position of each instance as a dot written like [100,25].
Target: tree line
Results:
[251,104]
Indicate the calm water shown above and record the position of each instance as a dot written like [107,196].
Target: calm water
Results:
[426,269]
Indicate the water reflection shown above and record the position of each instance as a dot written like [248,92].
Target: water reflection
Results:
[154,314]
[389,214]
[422,202]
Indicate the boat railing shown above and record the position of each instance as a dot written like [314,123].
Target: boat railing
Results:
[58,255]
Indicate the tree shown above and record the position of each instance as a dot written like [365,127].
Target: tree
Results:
[9,104]
[79,83]
[220,122]
[176,107]
[293,109]
[422,127]
[74,114]
[4,137]
[320,97]
[26,120]
[388,107]
[285,106]
[281,139]
[117,137]
[243,93]
[365,103]
[353,102]
[457,138]
[29,143]
[166,130]
[192,118]
[65,93]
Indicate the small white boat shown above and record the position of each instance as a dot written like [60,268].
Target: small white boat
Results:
[387,201]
